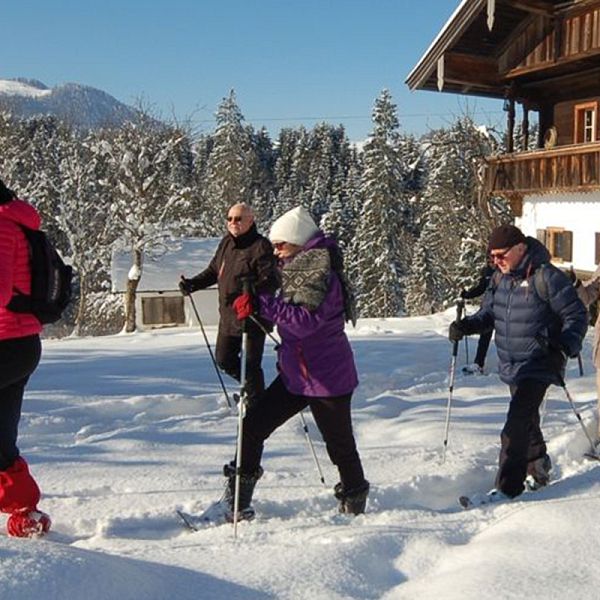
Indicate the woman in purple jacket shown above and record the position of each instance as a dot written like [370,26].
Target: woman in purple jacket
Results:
[315,361]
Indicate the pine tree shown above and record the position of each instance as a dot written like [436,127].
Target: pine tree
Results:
[381,244]
[230,165]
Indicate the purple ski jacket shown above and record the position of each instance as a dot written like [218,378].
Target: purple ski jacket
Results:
[314,358]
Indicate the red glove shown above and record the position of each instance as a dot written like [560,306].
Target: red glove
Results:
[243,306]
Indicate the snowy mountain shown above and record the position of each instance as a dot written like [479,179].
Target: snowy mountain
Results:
[122,430]
[82,105]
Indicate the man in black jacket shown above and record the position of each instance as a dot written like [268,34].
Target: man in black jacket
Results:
[242,253]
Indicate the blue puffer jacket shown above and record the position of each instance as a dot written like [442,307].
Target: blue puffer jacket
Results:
[513,307]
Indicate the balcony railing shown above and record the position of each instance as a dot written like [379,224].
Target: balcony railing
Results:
[565,168]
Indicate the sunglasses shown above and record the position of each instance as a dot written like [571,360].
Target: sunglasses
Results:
[278,245]
[500,256]
[234,219]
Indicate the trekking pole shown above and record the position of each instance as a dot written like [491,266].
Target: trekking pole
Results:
[209,349]
[466,337]
[543,407]
[312,448]
[544,343]
[304,424]
[563,385]
[459,309]
[241,414]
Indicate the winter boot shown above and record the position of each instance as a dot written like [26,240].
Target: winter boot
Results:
[28,523]
[472,369]
[247,484]
[538,473]
[352,501]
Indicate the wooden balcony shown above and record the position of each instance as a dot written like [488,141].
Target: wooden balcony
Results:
[573,168]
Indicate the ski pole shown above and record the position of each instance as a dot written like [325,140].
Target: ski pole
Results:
[546,345]
[214,362]
[304,424]
[459,309]
[312,448]
[241,414]
[466,337]
[543,407]
[580,363]
[563,385]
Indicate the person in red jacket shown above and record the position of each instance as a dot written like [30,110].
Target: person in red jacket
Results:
[20,351]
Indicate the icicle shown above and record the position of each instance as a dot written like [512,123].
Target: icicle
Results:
[440,73]
[491,9]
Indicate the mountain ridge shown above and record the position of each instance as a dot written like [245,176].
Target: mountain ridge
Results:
[81,105]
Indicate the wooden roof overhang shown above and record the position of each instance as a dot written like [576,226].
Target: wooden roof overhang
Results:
[465,56]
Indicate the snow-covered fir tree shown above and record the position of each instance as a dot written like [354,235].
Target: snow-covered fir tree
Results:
[451,210]
[230,165]
[381,247]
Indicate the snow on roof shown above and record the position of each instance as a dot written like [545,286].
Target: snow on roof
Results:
[184,257]
[18,88]
[438,37]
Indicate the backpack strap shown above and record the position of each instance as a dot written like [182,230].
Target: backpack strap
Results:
[539,282]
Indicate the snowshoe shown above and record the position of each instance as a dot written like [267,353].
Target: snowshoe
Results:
[492,497]
[472,369]
[218,513]
[28,523]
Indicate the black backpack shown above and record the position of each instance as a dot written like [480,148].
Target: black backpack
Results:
[50,281]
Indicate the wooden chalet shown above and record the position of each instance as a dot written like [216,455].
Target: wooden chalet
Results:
[539,56]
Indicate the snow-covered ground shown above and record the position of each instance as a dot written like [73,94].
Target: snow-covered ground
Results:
[122,430]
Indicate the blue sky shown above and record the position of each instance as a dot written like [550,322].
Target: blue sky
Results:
[290,62]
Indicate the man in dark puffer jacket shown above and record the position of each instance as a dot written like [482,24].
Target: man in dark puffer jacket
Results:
[534,336]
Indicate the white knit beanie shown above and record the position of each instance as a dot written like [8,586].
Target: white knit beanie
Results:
[296,226]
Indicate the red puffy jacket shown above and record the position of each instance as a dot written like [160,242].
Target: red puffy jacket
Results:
[14,267]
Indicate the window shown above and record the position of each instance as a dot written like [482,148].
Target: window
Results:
[559,242]
[585,122]
[163,310]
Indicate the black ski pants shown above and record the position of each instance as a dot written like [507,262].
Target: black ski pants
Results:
[228,357]
[18,359]
[331,414]
[482,347]
[521,439]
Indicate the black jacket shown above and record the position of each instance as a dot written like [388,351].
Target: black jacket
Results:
[249,254]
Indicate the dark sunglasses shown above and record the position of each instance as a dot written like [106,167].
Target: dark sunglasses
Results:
[278,245]
[500,255]
[234,219]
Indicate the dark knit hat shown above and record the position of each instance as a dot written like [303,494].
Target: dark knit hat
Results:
[505,236]
[6,195]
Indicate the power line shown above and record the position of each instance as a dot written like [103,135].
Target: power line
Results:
[353,117]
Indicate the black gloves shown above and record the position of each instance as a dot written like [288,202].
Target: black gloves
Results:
[186,286]
[463,294]
[456,331]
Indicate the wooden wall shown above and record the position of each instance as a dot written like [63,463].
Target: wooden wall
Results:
[545,41]
[564,120]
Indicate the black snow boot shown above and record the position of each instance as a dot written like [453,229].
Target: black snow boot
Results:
[352,501]
[247,484]
[538,473]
